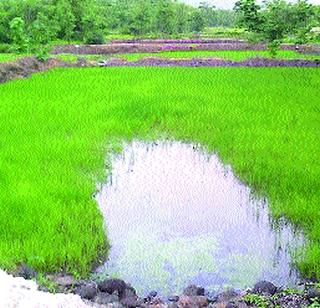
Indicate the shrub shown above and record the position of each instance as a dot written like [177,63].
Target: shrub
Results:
[95,38]
[18,36]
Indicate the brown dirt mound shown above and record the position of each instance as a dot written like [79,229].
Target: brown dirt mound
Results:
[25,67]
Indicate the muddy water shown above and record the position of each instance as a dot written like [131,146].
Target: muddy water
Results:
[175,215]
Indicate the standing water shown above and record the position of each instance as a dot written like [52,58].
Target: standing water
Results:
[175,216]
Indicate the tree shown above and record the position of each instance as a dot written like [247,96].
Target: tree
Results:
[249,13]
[41,35]
[65,19]
[164,17]
[303,20]
[197,21]
[18,36]
[181,14]
[140,18]
[92,31]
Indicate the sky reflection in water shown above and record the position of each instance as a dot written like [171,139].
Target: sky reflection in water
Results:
[176,216]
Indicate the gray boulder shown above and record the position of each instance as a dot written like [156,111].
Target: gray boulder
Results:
[193,290]
[112,285]
[265,287]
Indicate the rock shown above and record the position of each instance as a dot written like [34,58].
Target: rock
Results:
[313,292]
[105,298]
[156,302]
[242,305]
[173,305]
[129,292]
[227,296]
[131,302]
[291,301]
[26,272]
[174,298]
[193,290]
[192,301]
[112,285]
[212,298]
[87,291]
[43,289]
[153,294]
[64,281]
[115,305]
[265,287]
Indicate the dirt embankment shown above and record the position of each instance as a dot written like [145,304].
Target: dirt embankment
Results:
[209,62]
[116,293]
[153,46]
[24,67]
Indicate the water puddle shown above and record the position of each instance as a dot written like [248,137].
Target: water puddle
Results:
[177,216]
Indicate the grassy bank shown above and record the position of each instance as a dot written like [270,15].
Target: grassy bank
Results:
[55,129]
[10,57]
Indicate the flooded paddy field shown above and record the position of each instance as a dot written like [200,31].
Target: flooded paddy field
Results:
[54,134]
[176,216]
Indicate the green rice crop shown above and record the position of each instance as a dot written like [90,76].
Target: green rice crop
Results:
[57,128]
[10,57]
[233,55]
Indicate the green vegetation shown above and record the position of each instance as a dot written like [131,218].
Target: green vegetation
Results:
[9,57]
[277,20]
[257,300]
[38,22]
[225,54]
[89,21]
[57,127]
[50,285]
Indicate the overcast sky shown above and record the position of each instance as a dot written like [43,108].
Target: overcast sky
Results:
[227,4]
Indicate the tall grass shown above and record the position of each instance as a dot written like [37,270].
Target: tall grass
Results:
[57,127]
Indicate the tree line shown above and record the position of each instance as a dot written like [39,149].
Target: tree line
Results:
[277,20]
[90,20]
[27,24]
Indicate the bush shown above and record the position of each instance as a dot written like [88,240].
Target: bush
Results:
[95,38]
[253,37]
[315,34]
[18,36]
[274,47]
[4,48]
[42,53]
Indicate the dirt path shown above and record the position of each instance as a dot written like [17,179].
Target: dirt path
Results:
[17,292]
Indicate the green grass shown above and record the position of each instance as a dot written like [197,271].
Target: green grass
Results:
[57,127]
[10,57]
[224,32]
[228,55]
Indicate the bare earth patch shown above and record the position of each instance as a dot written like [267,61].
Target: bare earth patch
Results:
[18,292]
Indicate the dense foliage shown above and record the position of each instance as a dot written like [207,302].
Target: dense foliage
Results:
[90,20]
[276,20]
[33,24]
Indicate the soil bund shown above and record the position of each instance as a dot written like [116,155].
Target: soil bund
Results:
[158,46]
[210,62]
[25,67]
